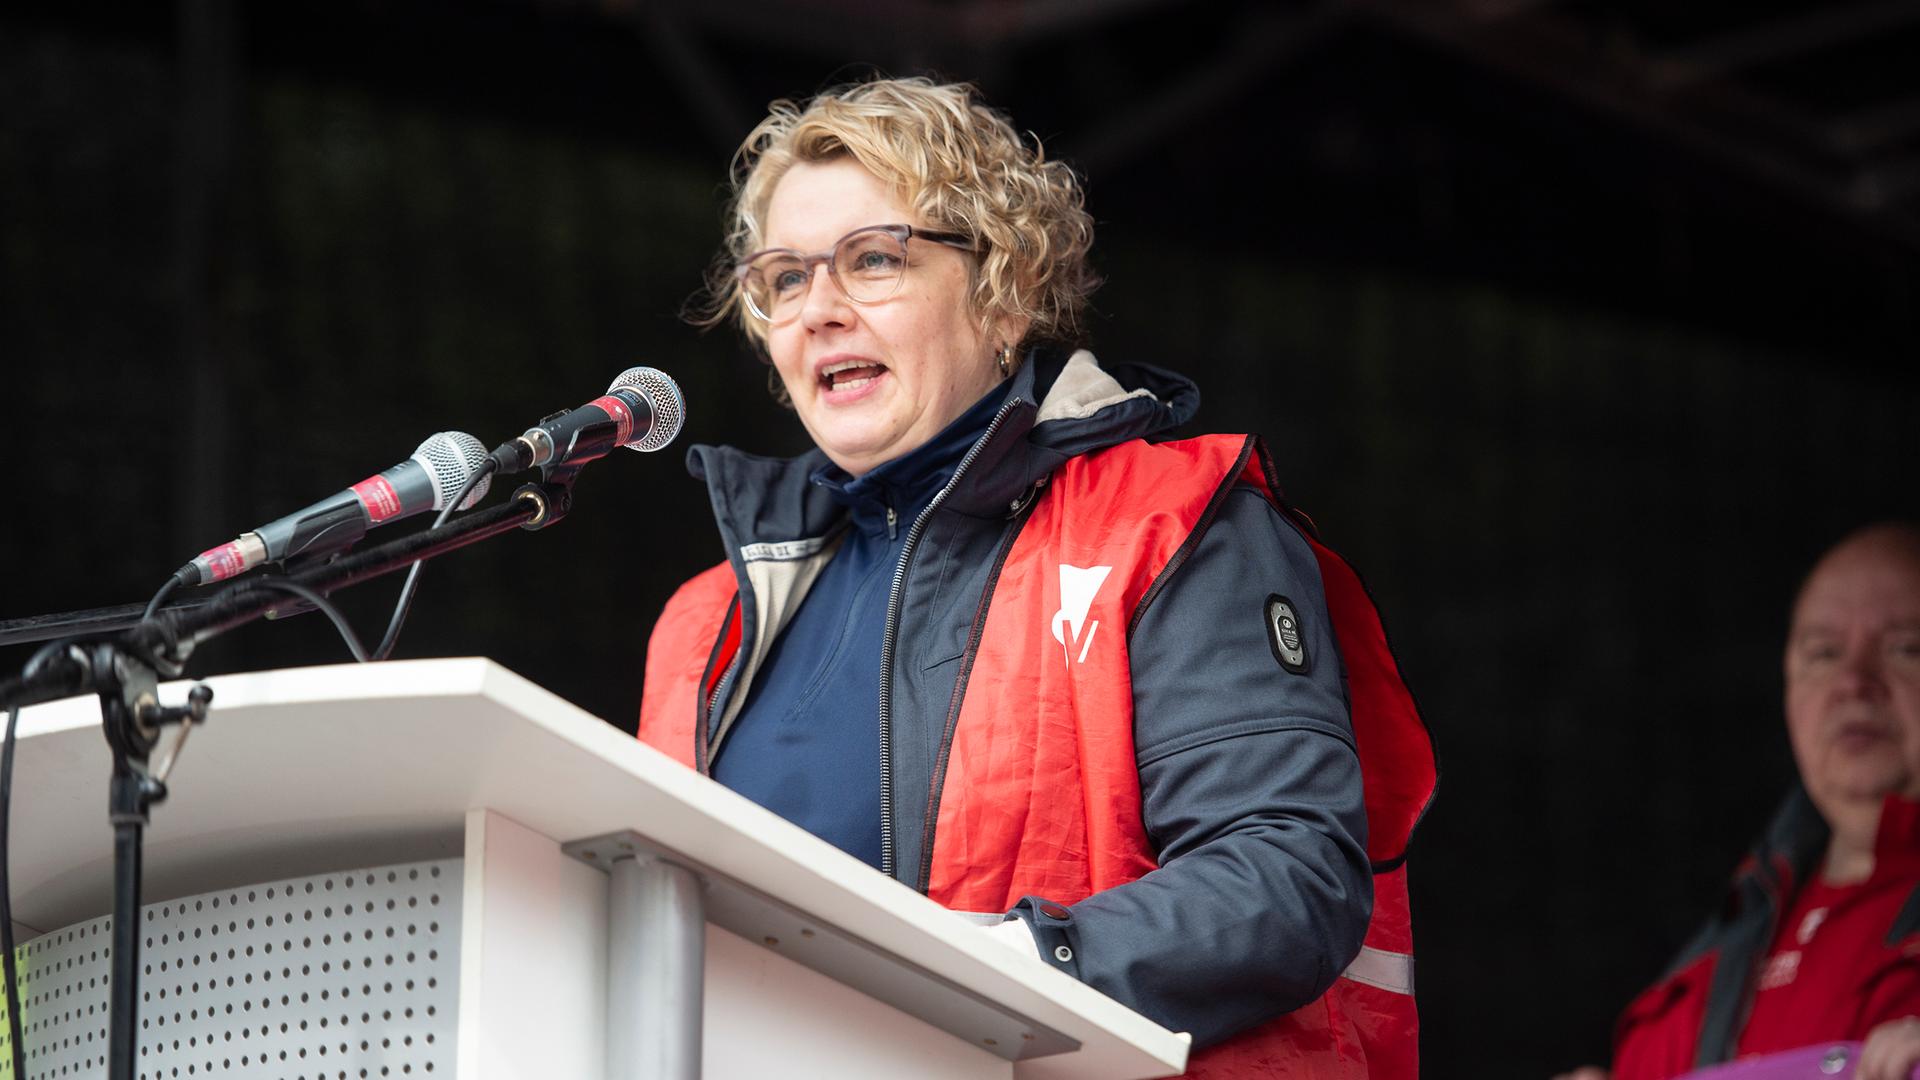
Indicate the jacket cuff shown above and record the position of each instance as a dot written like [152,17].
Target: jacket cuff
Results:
[1053,931]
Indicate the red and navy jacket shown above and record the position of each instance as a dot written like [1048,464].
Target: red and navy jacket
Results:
[1124,694]
[1695,1015]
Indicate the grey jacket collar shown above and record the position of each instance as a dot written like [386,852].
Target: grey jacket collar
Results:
[1081,407]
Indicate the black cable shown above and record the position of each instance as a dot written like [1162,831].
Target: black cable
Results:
[400,609]
[405,603]
[160,597]
[16,1051]
[324,605]
[282,585]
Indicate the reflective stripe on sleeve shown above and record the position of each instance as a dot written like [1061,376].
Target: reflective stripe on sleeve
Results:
[1390,971]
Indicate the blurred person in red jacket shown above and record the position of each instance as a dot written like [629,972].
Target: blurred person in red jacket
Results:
[1819,939]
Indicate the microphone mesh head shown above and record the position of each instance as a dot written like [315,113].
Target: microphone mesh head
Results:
[662,395]
[451,458]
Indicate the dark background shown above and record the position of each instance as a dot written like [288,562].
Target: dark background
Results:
[1581,328]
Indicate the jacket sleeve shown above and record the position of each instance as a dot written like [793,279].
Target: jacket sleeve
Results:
[1251,794]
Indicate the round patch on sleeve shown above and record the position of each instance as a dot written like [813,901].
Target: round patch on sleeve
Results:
[1285,634]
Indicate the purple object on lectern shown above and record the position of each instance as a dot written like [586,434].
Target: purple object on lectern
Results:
[1822,1061]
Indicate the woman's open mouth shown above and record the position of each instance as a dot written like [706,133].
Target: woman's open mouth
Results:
[850,375]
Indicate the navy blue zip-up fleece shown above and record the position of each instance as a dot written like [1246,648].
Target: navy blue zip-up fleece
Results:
[1250,783]
[804,745]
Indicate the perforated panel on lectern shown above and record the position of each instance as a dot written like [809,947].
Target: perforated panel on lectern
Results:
[345,975]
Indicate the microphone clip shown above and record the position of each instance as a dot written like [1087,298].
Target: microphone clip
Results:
[553,497]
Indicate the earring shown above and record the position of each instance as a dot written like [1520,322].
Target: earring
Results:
[1005,359]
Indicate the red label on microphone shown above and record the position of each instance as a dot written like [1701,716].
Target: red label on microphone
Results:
[223,562]
[378,496]
[621,415]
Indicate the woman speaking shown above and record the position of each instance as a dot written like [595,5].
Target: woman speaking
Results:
[988,638]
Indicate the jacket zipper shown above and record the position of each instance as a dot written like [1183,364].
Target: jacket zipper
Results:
[1020,504]
[713,699]
[892,631]
[704,709]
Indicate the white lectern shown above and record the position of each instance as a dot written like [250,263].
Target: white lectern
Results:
[359,871]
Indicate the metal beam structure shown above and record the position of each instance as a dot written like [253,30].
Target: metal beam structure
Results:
[1851,163]
[1877,127]
[1266,43]
[1822,27]
[1781,144]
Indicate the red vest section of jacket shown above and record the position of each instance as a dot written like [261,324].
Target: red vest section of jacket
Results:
[685,640]
[1039,791]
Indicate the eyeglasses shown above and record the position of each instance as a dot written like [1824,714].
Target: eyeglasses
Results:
[867,264]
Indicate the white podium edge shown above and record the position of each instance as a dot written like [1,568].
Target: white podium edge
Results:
[779,858]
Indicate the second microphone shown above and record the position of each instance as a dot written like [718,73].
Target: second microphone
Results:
[642,410]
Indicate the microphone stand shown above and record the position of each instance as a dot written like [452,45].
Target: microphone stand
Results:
[82,623]
[124,671]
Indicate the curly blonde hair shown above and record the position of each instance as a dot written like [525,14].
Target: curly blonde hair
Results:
[960,166]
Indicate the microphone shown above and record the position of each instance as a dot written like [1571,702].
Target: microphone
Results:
[426,481]
[642,410]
